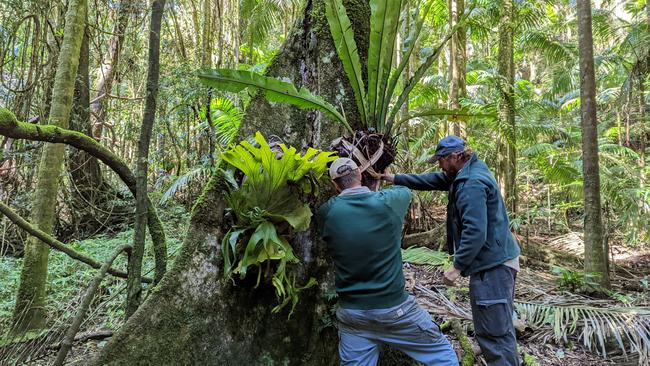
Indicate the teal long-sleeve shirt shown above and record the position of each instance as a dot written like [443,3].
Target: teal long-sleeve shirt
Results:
[363,235]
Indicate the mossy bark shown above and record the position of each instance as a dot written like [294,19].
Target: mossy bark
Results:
[29,312]
[308,59]
[196,317]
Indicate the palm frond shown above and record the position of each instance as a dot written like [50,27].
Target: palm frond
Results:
[275,90]
[183,181]
[553,50]
[425,256]
[226,118]
[629,327]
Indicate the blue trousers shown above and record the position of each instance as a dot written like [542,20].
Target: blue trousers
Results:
[406,327]
[491,294]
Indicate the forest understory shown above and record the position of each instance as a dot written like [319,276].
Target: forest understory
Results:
[537,283]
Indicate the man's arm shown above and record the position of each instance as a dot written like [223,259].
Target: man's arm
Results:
[422,182]
[398,199]
[472,206]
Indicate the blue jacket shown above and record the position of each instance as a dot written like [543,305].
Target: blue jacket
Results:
[478,232]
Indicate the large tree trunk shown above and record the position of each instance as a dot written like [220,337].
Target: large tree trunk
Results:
[595,255]
[507,167]
[196,317]
[134,285]
[29,312]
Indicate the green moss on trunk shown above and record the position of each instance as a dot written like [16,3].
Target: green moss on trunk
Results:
[29,312]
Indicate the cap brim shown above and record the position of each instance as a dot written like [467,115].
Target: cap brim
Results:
[433,159]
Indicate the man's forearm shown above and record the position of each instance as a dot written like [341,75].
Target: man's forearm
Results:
[423,182]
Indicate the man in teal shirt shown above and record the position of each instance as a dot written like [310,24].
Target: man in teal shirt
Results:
[362,229]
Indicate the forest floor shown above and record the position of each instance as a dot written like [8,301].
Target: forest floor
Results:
[554,342]
[551,339]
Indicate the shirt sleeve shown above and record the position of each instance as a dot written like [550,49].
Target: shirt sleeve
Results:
[397,198]
[424,182]
[472,207]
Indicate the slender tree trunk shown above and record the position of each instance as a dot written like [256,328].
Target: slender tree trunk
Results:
[179,34]
[134,286]
[108,71]
[595,255]
[457,60]
[86,177]
[206,62]
[29,312]
[507,168]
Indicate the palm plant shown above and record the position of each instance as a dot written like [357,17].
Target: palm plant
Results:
[378,103]
[226,117]
[259,18]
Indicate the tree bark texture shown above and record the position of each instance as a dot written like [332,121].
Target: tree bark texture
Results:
[309,59]
[507,137]
[29,312]
[595,255]
[196,317]
[134,286]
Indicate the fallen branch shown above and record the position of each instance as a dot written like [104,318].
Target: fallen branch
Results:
[11,127]
[424,238]
[66,344]
[55,244]
[83,337]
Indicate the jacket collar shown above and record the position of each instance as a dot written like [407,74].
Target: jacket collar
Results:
[464,173]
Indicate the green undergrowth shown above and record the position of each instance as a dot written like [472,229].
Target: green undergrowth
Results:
[68,278]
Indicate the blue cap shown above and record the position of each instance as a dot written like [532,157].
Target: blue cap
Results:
[446,146]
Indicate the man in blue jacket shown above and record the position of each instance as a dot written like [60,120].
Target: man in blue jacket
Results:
[363,230]
[479,237]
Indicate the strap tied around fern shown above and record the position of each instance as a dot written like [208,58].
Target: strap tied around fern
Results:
[365,165]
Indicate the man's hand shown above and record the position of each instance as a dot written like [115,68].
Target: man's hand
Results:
[451,276]
[387,176]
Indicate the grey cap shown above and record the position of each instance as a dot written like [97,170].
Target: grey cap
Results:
[342,167]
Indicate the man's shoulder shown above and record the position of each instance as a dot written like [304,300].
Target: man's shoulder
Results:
[480,174]
[394,192]
[326,207]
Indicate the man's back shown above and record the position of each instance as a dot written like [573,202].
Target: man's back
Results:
[363,235]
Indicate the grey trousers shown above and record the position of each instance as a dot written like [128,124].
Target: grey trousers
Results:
[406,327]
[491,295]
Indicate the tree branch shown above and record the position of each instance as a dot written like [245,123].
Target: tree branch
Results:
[55,244]
[66,344]
[11,127]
